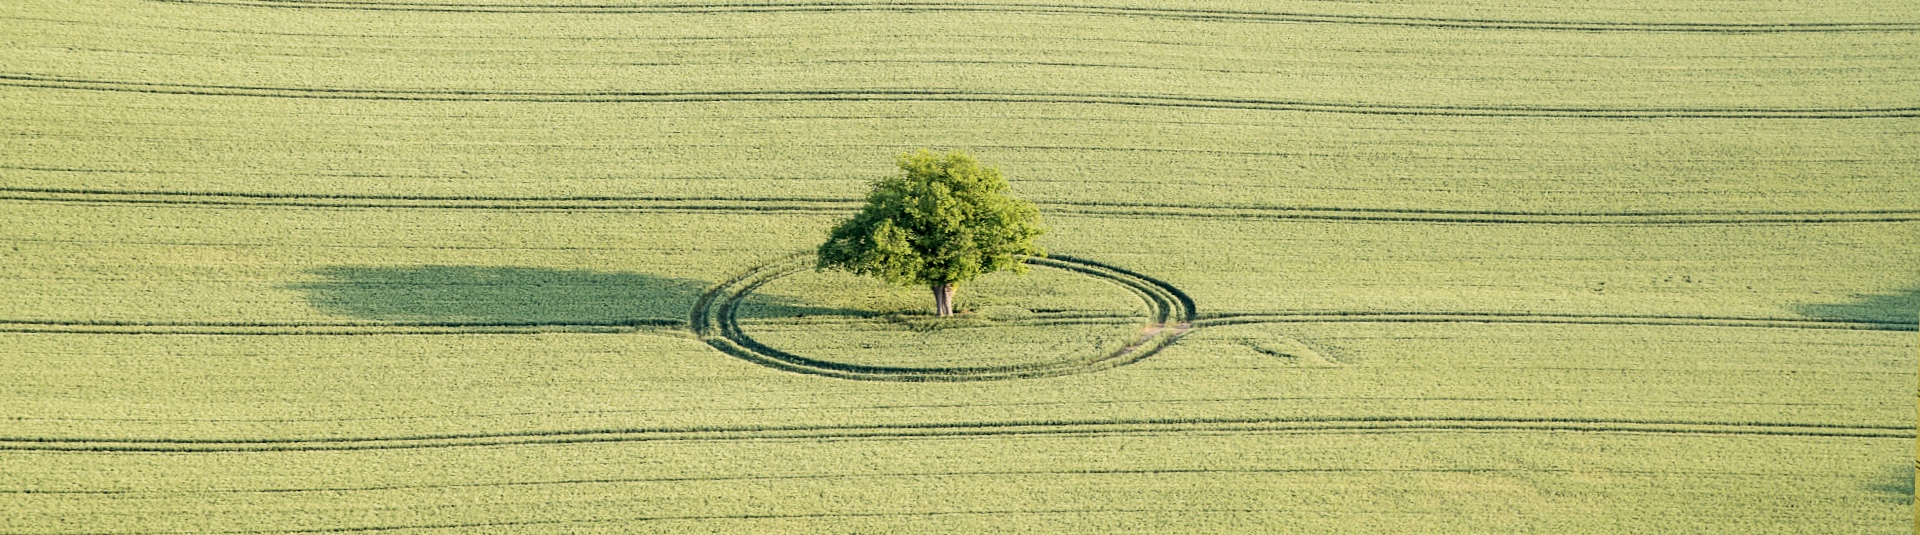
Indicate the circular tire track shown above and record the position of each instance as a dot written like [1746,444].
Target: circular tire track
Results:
[1171,315]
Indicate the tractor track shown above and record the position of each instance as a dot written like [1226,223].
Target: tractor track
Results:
[1544,318]
[946,95]
[343,328]
[643,325]
[1104,427]
[1172,314]
[827,205]
[707,519]
[858,475]
[714,320]
[593,7]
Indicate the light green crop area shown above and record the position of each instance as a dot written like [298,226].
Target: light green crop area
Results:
[1540,266]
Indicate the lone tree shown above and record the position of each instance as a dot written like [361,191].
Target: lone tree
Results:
[946,221]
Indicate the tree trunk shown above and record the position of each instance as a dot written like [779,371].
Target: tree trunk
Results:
[943,299]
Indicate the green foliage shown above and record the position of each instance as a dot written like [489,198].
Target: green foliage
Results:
[947,220]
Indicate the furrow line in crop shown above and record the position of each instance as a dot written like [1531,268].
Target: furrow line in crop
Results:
[329,328]
[1549,318]
[468,526]
[1489,216]
[1115,427]
[948,95]
[833,205]
[988,405]
[885,475]
[270,196]
[634,205]
[1039,8]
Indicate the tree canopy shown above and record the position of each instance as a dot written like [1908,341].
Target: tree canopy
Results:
[945,220]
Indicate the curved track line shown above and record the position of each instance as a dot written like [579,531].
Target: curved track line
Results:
[347,328]
[840,205]
[948,95]
[1384,424]
[1549,318]
[1038,8]
[713,318]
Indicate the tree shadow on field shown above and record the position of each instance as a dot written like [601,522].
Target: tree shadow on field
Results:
[1898,485]
[1899,307]
[491,295]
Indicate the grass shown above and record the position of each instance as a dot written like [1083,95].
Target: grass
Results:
[1081,318]
[1457,267]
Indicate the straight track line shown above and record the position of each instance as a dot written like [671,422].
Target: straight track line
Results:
[1115,427]
[947,95]
[825,205]
[329,328]
[881,475]
[598,7]
[1550,319]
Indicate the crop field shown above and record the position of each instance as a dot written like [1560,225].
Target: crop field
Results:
[531,266]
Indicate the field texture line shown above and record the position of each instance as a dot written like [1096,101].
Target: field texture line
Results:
[1549,319]
[1058,9]
[946,95]
[1379,424]
[858,475]
[469,526]
[341,328]
[844,205]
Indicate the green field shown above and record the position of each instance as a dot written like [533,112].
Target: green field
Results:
[1540,266]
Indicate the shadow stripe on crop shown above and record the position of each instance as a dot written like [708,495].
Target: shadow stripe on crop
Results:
[843,205]
[950,95]
[1220,319]
[1040,8]
[1115,427]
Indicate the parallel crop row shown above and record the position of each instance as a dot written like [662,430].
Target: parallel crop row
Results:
[1385,424]
[666,203]
[344,328]
[1551,318]
[1049,9]
[938,95]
